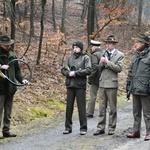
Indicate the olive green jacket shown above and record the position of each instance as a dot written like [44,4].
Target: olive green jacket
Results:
[13,73]
[139,73]
[95,73]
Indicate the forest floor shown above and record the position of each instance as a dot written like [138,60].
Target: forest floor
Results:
[46,134]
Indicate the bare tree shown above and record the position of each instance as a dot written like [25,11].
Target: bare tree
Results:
[13,28]
[53,14]
[91,17]
[84,10]
[140,14]
[32,18]
[41,33]
[63,17]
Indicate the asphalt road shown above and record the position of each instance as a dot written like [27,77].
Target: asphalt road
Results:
[51,138]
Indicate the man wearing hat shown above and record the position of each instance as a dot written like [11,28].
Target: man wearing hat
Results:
[7,90]
[93,79]
[75,69]
[110,65]
[138,83]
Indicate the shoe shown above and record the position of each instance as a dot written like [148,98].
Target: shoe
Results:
[89,116]
[133,135]
[67,132]
[147,137]
[83,132]
[111,132]
[98,132]
[8,134]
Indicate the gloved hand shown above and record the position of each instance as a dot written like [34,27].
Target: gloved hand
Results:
[25,81]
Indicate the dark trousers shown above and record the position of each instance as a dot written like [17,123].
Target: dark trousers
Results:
[80,95]
[6,103]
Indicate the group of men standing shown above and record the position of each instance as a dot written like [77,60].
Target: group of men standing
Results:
[102,68]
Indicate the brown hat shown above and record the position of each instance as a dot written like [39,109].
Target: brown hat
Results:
[143,38]
[111,39]
[5,40]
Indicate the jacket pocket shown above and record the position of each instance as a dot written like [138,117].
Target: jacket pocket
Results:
[67,82]
[81,82]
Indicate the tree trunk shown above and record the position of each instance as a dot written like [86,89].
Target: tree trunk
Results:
[63,16]
[53,14]
[85,2]
[41,33]
[140,15]
[13,19]
[32,18]
[91,17]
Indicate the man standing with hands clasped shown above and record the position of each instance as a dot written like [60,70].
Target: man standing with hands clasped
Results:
[110,65]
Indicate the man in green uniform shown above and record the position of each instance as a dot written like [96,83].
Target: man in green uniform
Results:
[93,79]
[7,90]
[138,83]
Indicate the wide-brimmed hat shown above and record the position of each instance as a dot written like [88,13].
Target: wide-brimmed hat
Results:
[143,38]
[111,39]
[5,40]
[95,43]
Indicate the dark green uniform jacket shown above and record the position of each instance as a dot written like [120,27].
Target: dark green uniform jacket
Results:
[81,64]
[95,73]
[139,73]
[13,72]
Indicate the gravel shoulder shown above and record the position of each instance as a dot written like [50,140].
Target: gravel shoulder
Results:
[46,134]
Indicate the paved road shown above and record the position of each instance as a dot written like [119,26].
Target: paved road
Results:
[51,138]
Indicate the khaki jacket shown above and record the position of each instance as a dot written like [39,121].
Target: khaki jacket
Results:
[109,73]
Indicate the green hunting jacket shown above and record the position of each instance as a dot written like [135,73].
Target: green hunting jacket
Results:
[139,73]
[13,73]
[95,73]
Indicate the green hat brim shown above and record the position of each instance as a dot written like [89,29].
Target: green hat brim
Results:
[142,40]
[7,43]
[110,41]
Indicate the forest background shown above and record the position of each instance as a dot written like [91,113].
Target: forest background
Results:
[44,32]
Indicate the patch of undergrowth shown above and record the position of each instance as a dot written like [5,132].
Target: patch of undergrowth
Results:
[24,113]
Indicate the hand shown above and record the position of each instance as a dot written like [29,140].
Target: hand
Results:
[72,74]
[5,67]
[25,81]
[103,60]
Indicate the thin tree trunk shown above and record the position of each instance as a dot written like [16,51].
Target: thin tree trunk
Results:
[140,15]
[32,18]
[13,28]
[63,16]
[53,14]
[84,10]
[41,33]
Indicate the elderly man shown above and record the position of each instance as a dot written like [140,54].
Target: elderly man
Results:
[93,79]
[110,65]
[138,83]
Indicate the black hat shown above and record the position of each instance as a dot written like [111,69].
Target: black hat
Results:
[5,40]
[95,43]
[143,38]
[111,39]
[78,44]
